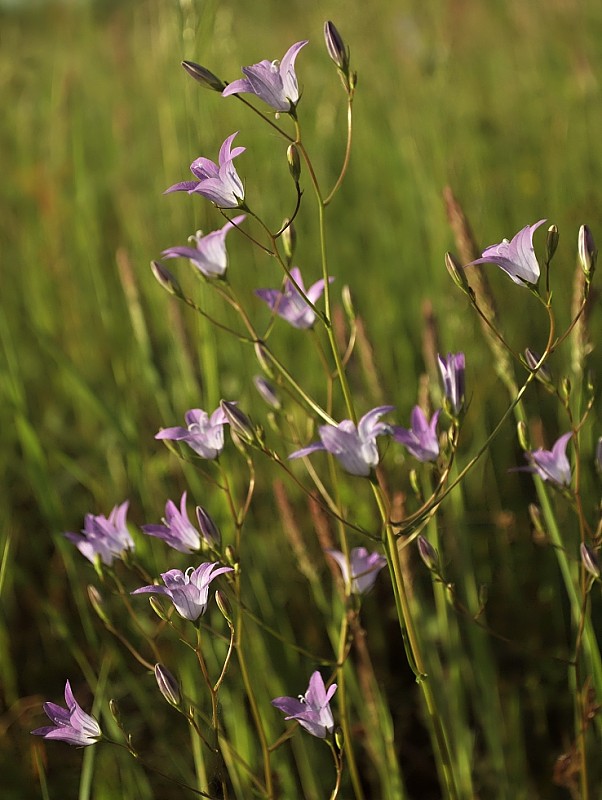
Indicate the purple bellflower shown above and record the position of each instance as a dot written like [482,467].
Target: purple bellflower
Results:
[452,367]
[209,254]
[311,710]
[365,567]
[551,465]
[104,537]
[71,724]
[219,182]
[516,258]
[274,82]
[421,439]
[177,529]
[290,303]
[188,591]
[204,433]
[354,447]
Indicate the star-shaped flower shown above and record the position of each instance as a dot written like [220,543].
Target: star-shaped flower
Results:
[71,725]
[274,82]
[290,303]
[104,537]
[365,567]
[421,439]
[177,529]
[551,465]
[354,447]
[209,254]
[311,710]
[516,258]
[204,433]
[219,182]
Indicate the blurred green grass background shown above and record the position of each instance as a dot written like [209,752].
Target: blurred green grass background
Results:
[500,100]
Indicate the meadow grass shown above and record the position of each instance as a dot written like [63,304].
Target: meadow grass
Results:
[501,101]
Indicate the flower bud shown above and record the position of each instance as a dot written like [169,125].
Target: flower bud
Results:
[168,686]
[336,47]
[457,274]
[240,424]
[347,301]
[551,242]
[523,435]
[566,387]
[543,373]
[158,608]
[267,392]
[96,601]
[115,713]
[289,240]
[208,528]
[339,738]
[294,161]
[589,559]
[204,76]
[166,278]
[428,553]
[587,251]
[262,359]
[224,606]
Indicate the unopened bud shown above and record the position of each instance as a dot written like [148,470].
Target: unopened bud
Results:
[587,251]
[339,738]
[263,359]
[267,392]
[208,528]
[294,161]
[428,553]
[158,608]
[566,387]
[457,274]
[532,359]
[168,686]
[289,240]
[336,47]
[230,556]
[97,602]
[551,242]
[115,712]
[166,278]
[204,76]
[347,301]
[415,483]
[589,559]
[523,435]
[224,606]
[240,424]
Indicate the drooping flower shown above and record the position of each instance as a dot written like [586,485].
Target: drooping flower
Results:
[274,82]
[311,710]
[71,725]
[551,465]
[188,591]
[104,537]
[365,567]
[290,303]
[517,257]
[177,529]
[219,182]
[355,448]
[204,433]
[209,254]
[452,367]
[421,439]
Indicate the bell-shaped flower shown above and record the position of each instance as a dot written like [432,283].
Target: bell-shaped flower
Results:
[204,433]
[551,465]
[219,182]
[209,254]
[274,82]
[104,537]
[421,439]
[452,368]
[290,303]
[517,257]
[177,529]
[188,591]
[72,724]
[365,567]
[311,710]
[355,448]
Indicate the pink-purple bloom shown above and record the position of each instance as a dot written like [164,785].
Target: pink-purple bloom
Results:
[274,82]
[188,591]
[71,725]
[290,303]
[517,257]
[177,529]
[104,537]
[219,182]
[364,566]
[452,368]
[421,439]
[311,710]
[203,433]
[551,465]
[355,448]
[209,254]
